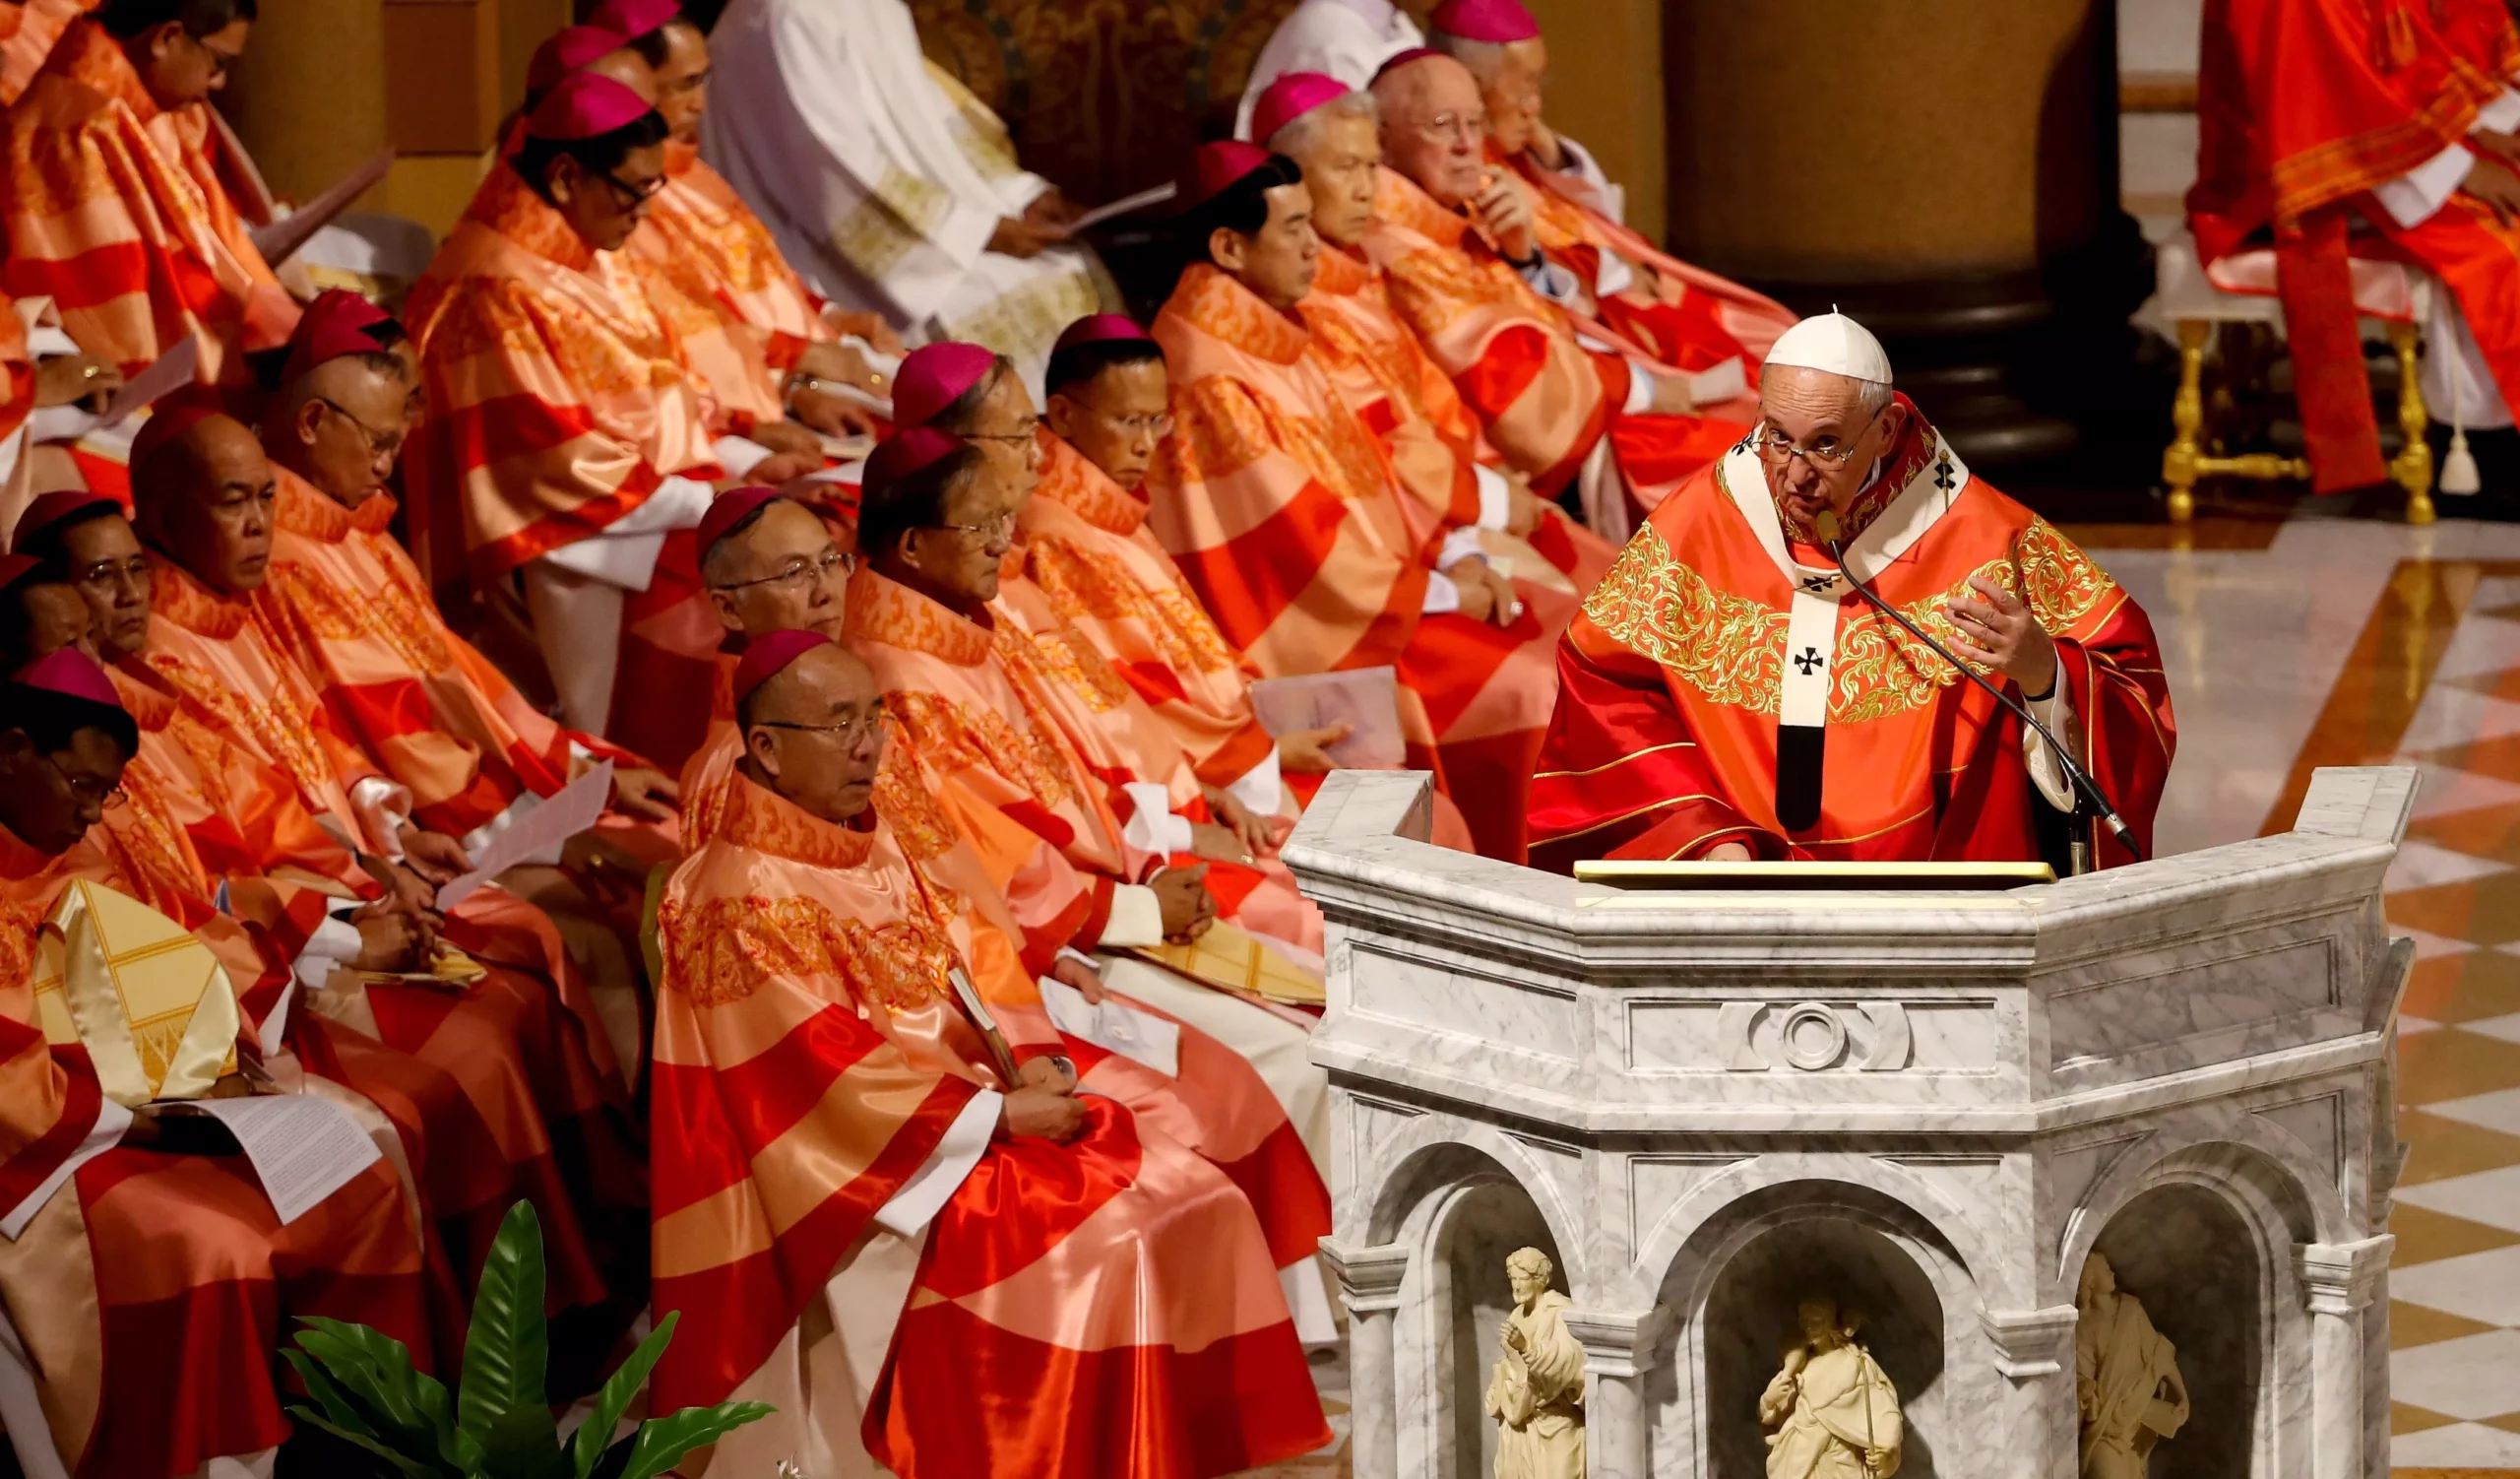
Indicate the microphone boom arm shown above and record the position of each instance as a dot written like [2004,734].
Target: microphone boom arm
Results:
[2088,789]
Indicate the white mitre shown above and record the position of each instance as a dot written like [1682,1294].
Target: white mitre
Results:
[1834,343]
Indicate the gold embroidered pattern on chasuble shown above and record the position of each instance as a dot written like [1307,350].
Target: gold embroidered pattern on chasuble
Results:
[336,616]
[919,824]
[1730,648]
[955,737]
[724,950]
[1083,582]
[1063,659]
[281,731]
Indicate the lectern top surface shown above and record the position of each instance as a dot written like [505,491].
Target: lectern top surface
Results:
[1770,878]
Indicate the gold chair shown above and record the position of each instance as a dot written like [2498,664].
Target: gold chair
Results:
[2188,304]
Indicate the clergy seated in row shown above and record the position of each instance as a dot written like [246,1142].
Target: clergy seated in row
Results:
[930,1264]
[1282,512]
[345,603]
[1438,448]
[2323,121]
[1685,316]
[199,817]
[562,422]
[115,203]
[968,393]
[1089,549]
[147,1287]
[1731,693]
[1345,40]
[1568,401]
[177,619]
[768,347]
[936,530]
[780,574]
[888,185]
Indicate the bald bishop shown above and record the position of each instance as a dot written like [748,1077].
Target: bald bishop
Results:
[1730,692]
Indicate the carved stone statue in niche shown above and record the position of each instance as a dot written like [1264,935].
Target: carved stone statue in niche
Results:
[2127,1383]
[1835,1412]
[1537,1391]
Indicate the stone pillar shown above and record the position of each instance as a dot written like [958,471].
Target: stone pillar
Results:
[1618,1427]
[2337,1280]
[2035,1355]
[1369,1286]
[1934,170]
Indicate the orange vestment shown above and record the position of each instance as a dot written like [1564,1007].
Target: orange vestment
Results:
[742,314]
[1285,516]
[1666,741]
[153,1289]
[1544,395]
[1106,1307]
[116,211]
[557,398]
[531,1060]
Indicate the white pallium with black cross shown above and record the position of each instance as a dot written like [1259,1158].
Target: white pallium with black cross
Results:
[1822,599]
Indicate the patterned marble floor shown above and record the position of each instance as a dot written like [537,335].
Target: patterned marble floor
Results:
[2329,641]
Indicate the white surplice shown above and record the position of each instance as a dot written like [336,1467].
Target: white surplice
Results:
[1348,39]
[882,178]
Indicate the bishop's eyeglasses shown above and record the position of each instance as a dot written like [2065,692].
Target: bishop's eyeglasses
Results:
[834,560]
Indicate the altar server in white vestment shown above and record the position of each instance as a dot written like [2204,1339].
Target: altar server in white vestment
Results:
[1348,39]
[889,186]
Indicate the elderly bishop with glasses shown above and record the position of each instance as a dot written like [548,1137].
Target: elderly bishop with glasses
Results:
[1729,692]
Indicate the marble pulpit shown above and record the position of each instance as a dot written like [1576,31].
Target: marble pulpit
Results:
[1930,1107]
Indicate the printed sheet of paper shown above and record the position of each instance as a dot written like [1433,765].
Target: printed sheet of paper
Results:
[1366,697]
[169,371]
[303,1148]
[1115,1027]
[1125,206]
[280,241]
[565,814]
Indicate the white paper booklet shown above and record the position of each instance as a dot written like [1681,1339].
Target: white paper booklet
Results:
[563,814]
[1365,697]
[303,1148]
[1115,1027]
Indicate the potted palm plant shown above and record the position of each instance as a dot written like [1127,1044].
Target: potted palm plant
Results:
[497,1423]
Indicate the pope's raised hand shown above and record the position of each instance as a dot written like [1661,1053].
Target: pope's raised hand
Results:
[1997,630]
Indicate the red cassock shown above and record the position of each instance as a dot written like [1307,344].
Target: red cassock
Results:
[2302,107]
[1675,678]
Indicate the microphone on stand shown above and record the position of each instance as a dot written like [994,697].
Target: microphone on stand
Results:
[2094,799]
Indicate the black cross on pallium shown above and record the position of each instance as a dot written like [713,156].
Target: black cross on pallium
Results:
[1942,474]
[1808,660]
[1815,584]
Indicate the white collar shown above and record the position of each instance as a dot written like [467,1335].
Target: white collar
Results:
[1934,487]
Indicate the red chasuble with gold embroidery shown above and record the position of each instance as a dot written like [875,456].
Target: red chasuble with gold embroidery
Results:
[151,1293]
[115,211]
[1106,1307]
[1675,678]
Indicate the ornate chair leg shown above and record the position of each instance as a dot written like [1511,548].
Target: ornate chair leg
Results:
[2187,415]
[2412,469]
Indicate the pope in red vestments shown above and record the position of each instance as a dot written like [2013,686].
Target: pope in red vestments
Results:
[1728,693]
[867,1218]
[146,1290]
[116,206]
[2315,114]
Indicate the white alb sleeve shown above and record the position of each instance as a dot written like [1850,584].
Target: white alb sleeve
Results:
[941,1174]
[1152,827]
[1443,598]
[2056,711]
[1261,788]
[738,455]
[1640,388]
[1137,918]
[1495,497]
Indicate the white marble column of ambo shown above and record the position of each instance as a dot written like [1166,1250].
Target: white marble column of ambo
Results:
[1618,1350]
[1369,1286]
[2035,1355]
[2337,1281]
